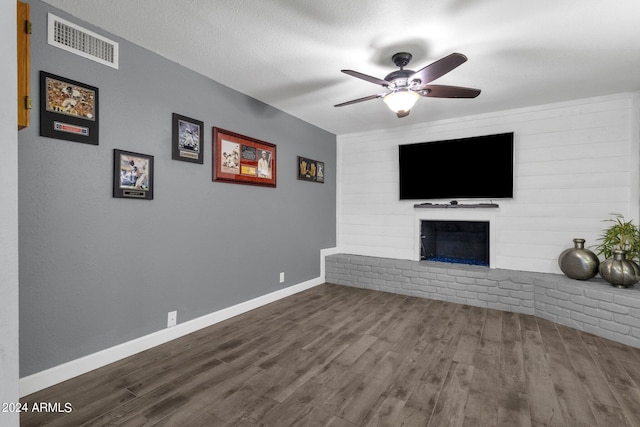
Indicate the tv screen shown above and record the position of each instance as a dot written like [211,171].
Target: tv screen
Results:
[472,168]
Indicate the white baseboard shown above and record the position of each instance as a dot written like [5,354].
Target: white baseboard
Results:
[60,373]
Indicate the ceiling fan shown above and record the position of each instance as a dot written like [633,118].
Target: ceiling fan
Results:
[406,86]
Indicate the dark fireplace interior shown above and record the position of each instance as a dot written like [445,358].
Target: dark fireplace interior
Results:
[460,242]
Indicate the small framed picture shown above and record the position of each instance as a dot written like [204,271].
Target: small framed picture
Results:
[187,139]
[68,109]
[310,170]
[243,160]
[132,175]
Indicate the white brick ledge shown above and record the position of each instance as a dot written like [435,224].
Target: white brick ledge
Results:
[591,306]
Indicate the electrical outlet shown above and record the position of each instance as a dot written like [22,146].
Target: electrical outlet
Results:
[172,318]
[282,277]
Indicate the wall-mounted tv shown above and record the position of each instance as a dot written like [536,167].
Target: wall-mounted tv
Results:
[465,168]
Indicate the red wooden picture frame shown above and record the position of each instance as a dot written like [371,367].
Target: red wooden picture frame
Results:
[241,159]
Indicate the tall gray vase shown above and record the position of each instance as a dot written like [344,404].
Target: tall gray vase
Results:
[619,271]
[577,262]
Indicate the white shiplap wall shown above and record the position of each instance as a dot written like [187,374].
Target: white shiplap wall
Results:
[575,163]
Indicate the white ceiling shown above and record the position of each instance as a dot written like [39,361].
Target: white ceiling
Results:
[289,53]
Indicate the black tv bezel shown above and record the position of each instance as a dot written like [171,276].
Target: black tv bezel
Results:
[506,169]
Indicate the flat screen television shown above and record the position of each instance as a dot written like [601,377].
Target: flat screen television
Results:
[479,167]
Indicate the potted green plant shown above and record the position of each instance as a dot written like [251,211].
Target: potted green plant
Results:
[620,246]
[620,235]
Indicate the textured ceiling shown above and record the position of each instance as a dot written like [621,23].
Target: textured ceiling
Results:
[289,53]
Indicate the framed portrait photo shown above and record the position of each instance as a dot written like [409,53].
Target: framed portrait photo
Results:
[188,139]
[310,170]
[132,175]
[68,109]
[240,159]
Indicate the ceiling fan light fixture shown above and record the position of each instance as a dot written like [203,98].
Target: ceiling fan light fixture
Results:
[401,101]
[404,87]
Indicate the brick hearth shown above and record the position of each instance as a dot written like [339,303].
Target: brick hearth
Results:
[591,306]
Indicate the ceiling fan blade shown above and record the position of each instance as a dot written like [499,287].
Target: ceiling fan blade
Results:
[442,91]
[438,68]
[366,98]
[366,77]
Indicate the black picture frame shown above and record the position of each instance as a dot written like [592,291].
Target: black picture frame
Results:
[132,175]
[310,170]
[187,139]
[69,110]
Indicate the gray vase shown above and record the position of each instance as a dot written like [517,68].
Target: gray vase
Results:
[619,271]
[577,262]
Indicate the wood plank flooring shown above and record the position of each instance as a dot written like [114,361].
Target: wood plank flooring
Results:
[341,356]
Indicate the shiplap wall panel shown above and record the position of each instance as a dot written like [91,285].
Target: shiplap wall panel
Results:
[575,163]
[575,180]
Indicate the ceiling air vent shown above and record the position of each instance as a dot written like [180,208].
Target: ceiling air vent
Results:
[75,39]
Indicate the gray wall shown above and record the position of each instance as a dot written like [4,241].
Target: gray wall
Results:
[8,216]
[97,271]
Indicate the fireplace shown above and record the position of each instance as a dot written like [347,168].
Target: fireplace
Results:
[459,242]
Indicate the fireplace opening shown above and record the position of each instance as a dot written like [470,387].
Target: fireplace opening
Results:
[459,242]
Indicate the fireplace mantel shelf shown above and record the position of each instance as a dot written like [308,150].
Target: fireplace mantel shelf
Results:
[459,205]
